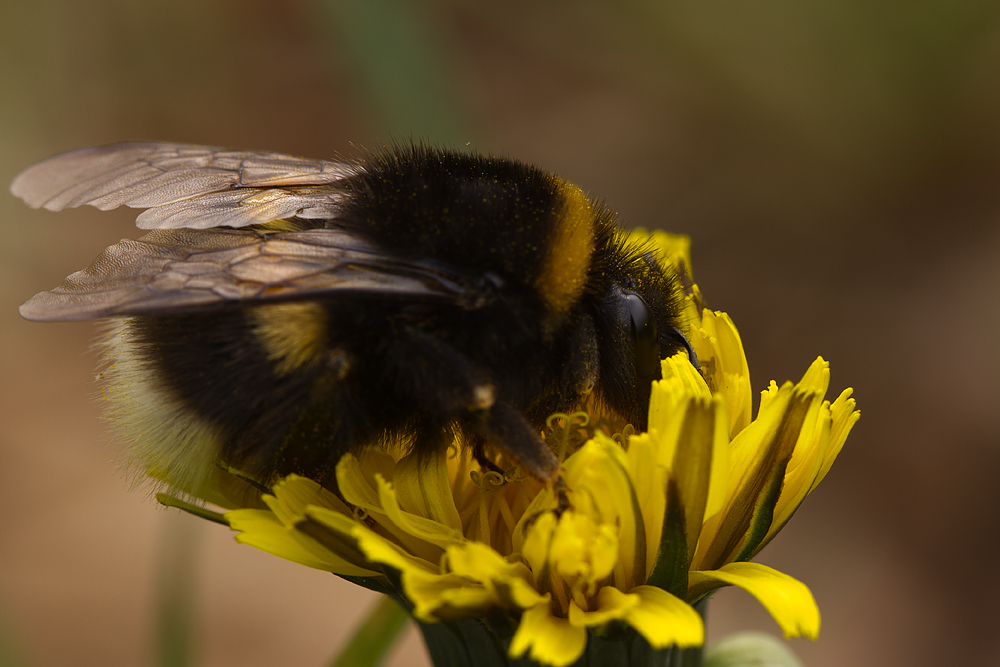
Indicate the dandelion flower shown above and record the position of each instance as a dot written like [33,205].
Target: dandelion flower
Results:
[657,520]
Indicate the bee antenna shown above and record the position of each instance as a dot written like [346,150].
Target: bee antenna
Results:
[687,345]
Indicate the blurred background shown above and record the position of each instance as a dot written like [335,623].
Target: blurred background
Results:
[835,163]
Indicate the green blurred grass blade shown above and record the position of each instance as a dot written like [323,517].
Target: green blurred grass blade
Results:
[177,591]
[10,655]
[401,57]
[372,641]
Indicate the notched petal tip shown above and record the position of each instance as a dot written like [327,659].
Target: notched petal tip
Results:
[788,600]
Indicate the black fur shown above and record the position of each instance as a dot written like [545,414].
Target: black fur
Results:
[392,366]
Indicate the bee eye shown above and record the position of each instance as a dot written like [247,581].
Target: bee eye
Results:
[644,340]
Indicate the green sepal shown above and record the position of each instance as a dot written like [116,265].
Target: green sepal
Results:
[763,513]
[374,584]
[767,500]
[749,507]
[670,570]
[190,508]
[687,495]
[466,643]
[776,529]
[477,642]
[698,594]
[345,547]
[639,548]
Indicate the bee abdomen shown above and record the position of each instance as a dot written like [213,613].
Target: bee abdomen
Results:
[237,389]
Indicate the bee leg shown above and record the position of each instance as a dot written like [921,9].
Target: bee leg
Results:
[437,377]
[561,496]
[505,427]
[443,381]
[479,453]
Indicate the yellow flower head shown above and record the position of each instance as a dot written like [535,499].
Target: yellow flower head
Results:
[657,520]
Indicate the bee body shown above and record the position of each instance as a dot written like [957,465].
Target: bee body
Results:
[292,311]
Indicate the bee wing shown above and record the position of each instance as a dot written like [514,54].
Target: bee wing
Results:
[183,185]
[177,270]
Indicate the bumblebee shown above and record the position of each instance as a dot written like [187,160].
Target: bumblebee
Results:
[283,311]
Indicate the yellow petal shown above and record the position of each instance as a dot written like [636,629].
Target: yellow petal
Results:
[844,418]
[568,552]
[424,529]
[718,482]
[726,367]
[344,535]
[598,475]
[262,530]
[583,553]
[354,486]
[802,468]
[293,494]
[477,561]
[444,597]
[817,377]
[699,439]
[670,249]
[423,488]
[604,552]
[665,620]
[759,455]
[538,541]
[766,396]
[227,488]
[817,446]
[680,381]
[692,307]
[358,481]
[612,605]
[551,640]
[540,506]
[649,481]
[788,600]
[661,618]
[701,463]
[508,581]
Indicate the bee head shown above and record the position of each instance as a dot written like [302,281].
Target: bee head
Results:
[638,324]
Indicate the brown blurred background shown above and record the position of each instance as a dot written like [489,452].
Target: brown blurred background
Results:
[835,162]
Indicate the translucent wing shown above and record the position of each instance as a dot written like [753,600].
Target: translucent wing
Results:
[181,185]
[177,270]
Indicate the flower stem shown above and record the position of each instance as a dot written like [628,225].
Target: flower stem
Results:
[372,641]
